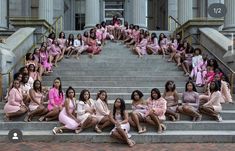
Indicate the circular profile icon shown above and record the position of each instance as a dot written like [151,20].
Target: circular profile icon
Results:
[15,135]
[217,10]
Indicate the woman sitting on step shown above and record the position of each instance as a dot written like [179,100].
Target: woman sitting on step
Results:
[102,111]
[119,118]
[139,109]
[190,102]
[67,115]
[15,105]
[155,114]
[93,48]
[171,96]
[86,111]
[140,48]
[56,101]
[36,106]
[212,107]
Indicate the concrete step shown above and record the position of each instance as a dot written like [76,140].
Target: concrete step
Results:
[117,85]
[176,126]
[162,78]
[150,137]
[226,115]
[116,73]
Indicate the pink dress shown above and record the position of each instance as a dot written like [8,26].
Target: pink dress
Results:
[38,98]
[54,99]
[34,75]
[142,45]
[210,76]
[99,34]
[214,101]
[200,72]
[54,50]
[101,109]
[136,36]
[44,60]
[154,45]
[158,106]
[140,109]
[171,101]
[82,107]
[225,91]
[66,119]
[15,100]
[163,43]
[62,43]
[93,48]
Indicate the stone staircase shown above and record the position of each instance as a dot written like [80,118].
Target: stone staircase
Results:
[120,72]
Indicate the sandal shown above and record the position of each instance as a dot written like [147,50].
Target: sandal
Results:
[143,130]
[163,127]
[54,130]
[131,142]
[78,131]
[97,129]
[41,118]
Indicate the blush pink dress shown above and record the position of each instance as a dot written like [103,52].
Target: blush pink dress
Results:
[38,98]
[159,107]
[15,100]
[66,119]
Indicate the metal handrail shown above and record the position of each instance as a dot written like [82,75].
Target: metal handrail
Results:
[169,22]
[9,72]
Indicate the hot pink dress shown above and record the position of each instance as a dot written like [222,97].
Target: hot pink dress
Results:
[66,119]
[55,99]
[15,100]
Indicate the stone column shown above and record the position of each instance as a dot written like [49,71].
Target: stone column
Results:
[139,13]
[3,14]
[46,10]
[185,10]
[229,20]
[172,11]
[92,13]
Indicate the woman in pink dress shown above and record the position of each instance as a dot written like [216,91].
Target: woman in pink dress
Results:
[56,101]
[33,73]
[67,115]
[190,102]
[44,59]
[139,109]
[213,106]
[54,52]
[135,36]
[36,106]
[33,58]
[153,46]
[86,111]
[15,105]
[119,118]
[156,110]
[129,34]
[187,60]
[123,34]
[93,48]
[140,48]
[99,33]
[162,42]
[172,98]
[102,111]
[62,44]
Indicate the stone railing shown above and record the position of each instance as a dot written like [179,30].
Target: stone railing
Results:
[12,54]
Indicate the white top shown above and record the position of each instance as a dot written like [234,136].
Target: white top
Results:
[77,43]
[196,60]
[82,107]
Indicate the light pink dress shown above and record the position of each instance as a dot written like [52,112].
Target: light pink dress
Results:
[62,43]
[99,34]
[159,107]
[154,45]
[163,43]
[38,98]
[93,48]
[101,109]
[225,91]
[142,45]
[82,107]
[140,109]
[66,119]
[54,99]
[44,60]
[214,101]
[15,100]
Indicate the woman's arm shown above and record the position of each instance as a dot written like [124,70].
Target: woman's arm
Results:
[67,101]
[125,118]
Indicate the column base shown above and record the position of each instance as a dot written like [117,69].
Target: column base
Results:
[229,28]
